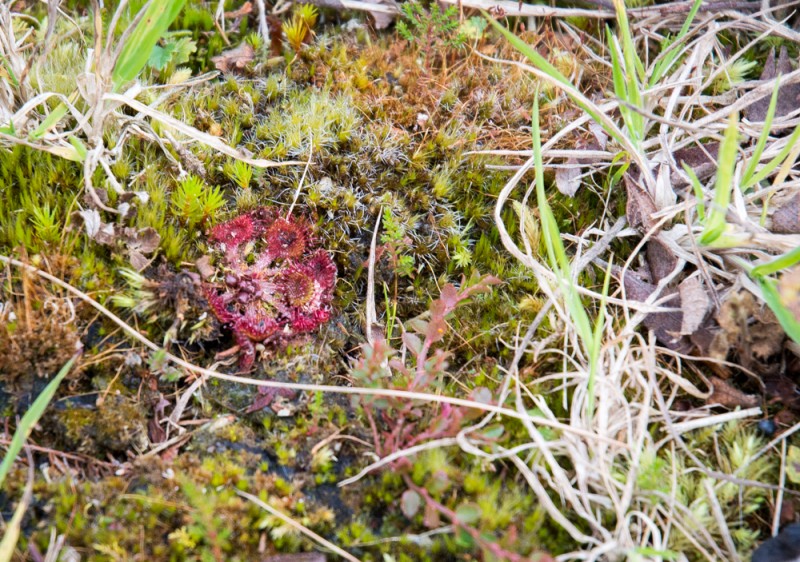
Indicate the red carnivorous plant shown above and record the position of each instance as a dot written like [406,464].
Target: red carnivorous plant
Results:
[273,285]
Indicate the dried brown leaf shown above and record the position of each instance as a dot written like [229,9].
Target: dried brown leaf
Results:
[788,95]
[245,9]
[726,395]
[752,329]
[660,260]
[145,240]
[205,268]
[702,159]
[695,304]
[234,59]
[665,325]
[786,218]
[640,206]
[99,231]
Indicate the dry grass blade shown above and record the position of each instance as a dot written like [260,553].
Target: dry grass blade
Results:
[408,395]
[596,479]
[195,134]
[302,528]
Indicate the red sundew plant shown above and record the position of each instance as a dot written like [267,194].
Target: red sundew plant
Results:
[273,285]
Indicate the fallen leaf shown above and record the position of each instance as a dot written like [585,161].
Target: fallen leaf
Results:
[766,334]
[155,432]
[99,231]
[138,260]
[145,240]
[780,389]
[410,503]
[695,304]
[702,159]
[139,243]
[245,9]
[786,218]
[275,27]
[661,261]
[568,178]
[102,195]
[665,325]
[750,328]
[726,395]
[640,206]
[91,221]
[713,343]
[788,94]
[599,134]
[234,59]
[205,268]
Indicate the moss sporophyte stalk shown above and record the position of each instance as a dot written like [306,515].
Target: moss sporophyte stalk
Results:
[273,284]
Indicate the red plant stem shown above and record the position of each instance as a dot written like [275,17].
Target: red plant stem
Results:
[375,437]
[497,550]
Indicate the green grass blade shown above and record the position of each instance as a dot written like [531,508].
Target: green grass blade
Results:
[781,262]
[134,55]
[12,531]
[616,66]
[632,62]
[30,419]
[542,64]
[551,235]
[716,223]
[9,71]
[49,122]
[698,193]
[634,72]
[762,140]
[778,160]
[80,148]
[623,89]
[664,65]
[789,322]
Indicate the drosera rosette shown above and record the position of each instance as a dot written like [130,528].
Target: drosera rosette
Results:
[272,284]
